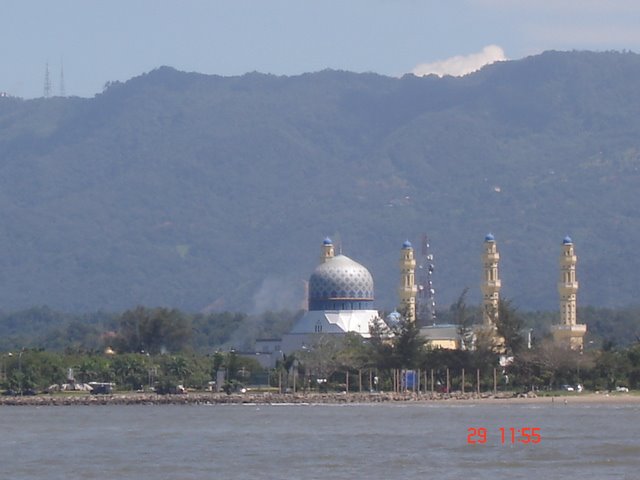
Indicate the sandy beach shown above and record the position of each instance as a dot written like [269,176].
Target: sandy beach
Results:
[602,398]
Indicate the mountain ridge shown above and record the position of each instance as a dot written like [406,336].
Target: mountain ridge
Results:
[205,192]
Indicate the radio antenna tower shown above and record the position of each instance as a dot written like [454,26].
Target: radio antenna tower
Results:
[62,91]
[426,292]
[47,82]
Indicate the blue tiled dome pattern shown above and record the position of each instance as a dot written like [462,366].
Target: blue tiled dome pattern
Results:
[341,278]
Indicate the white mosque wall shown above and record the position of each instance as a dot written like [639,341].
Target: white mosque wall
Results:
[338,322]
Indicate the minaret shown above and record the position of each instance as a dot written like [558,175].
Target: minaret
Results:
[408,289]
[327,250]
[568,332]
[491,282]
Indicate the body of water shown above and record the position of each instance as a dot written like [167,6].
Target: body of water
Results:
[382,441]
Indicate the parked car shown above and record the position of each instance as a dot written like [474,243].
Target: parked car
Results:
[622,389]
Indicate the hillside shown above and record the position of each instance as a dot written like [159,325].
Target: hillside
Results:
[207,193]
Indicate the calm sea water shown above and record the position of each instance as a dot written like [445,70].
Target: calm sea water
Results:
[317,442]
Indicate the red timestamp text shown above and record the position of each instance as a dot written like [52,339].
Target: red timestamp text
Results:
[506,436]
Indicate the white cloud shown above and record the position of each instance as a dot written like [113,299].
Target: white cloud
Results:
[462,64]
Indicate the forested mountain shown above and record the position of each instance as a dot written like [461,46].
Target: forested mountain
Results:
[202,192]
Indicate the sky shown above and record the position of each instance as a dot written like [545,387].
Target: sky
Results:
[95,42]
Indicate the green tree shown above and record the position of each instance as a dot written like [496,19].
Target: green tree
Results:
[509,326]
[379,347]
[408,346]
[178,367]
[461,317]
[156,330]
[232,365]
[548,364]
[321,358]
[218,362]
[130,370]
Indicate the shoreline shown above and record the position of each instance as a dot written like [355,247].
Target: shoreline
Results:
[209,398]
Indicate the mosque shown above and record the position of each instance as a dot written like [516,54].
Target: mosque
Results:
[341,300]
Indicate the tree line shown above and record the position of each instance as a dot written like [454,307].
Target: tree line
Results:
[173,330]
[539,365]
[159,347]
[35,371]
[153,330]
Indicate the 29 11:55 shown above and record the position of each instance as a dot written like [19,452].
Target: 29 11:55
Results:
[511,435]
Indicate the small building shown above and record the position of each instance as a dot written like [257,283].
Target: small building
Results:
[445,336]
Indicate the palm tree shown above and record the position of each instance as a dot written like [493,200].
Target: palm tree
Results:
[178,367]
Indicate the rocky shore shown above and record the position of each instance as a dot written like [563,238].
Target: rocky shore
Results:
[209,398]
[251,398]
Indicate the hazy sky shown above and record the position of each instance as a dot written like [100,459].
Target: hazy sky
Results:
[100,41]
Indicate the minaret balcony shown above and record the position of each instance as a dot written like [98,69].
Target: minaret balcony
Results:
[568,286]
[409,289]
[492,284]
[568,259]
[578,328]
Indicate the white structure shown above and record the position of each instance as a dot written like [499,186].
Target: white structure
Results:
[340,301]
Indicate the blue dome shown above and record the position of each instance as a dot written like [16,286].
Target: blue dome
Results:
[340,284]
[394,318]
[406,244]
[567,240]
[489,238]
[327,241]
